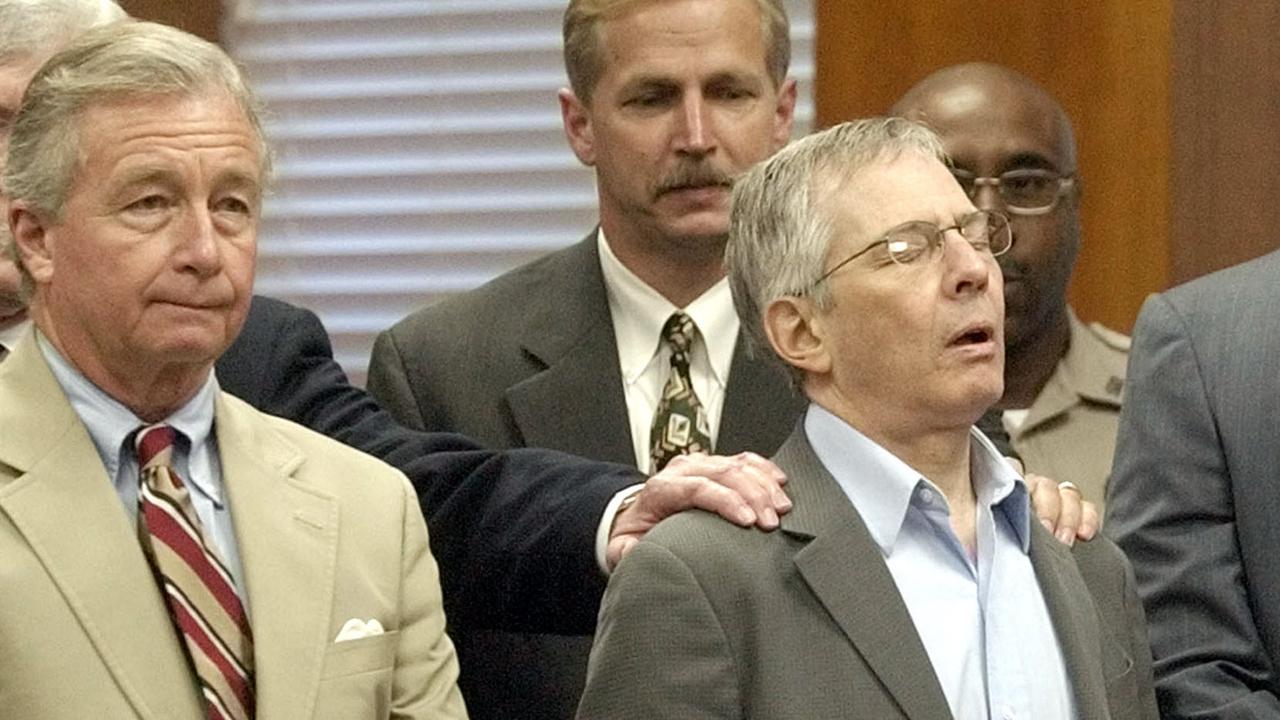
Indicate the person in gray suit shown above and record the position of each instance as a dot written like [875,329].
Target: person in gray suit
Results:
[910,579]
[1194,492]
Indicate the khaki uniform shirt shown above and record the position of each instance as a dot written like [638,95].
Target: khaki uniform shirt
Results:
[1070,430]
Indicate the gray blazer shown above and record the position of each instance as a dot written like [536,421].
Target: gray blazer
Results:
[1195,490]
[707,620]
[530,360]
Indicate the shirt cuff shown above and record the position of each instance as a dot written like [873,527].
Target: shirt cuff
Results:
[606,525]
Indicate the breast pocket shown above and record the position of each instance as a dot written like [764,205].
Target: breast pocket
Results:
[367,654]
[357,678]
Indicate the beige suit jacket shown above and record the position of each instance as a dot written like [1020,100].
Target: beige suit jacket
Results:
[325,534]
[706,620]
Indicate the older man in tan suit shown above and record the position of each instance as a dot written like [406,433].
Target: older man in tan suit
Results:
[168,552]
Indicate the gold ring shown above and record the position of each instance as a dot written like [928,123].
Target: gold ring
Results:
[1068,485]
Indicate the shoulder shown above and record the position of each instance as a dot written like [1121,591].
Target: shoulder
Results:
[716,551]
[1103,566]
[318,461]
[1113,340]
[502,299]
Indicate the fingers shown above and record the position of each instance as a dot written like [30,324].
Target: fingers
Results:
[1090,522]
[1045,500]
[618,548]
[1072,511]
[755,481]
[745,489]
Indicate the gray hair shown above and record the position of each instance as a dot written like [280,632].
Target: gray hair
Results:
[30,28]
[779,227]
[584,56]
[120,61]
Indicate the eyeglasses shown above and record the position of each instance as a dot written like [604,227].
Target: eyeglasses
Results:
[912,243]
[1024,192]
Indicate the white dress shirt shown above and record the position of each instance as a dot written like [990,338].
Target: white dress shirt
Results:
[644,358]
[983,620]
[110,425]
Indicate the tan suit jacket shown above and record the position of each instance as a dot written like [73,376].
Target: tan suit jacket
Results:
[704,619]
[325,534]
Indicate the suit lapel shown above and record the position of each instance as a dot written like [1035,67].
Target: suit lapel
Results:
[843,567]
[288,541]
[576,403]
[67,511]
[1075,621]
[759,406]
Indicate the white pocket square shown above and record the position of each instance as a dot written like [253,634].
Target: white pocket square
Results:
[355,628]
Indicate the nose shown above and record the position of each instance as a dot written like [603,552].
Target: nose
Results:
[694,136]
[198,249]
[986,196]
[967,270]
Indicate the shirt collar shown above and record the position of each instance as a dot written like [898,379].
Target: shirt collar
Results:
[639,312]
[110,423]
[882,487]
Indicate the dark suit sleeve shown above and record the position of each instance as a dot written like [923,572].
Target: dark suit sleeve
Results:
[1170,509]
[513,532]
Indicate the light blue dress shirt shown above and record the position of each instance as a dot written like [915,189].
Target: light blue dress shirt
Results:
[983,621]
[195,456]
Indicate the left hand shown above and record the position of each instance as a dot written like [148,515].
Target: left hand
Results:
[1062,509]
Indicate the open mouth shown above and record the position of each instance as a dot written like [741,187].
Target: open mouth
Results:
[974,336]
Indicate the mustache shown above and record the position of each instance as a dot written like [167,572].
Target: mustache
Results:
[693,174]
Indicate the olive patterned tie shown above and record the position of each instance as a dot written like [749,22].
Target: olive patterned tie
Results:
[680,423]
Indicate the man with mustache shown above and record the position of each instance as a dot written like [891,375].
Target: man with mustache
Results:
[591,348]
[1013,150]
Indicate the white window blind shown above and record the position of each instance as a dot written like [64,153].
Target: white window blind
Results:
[419,149]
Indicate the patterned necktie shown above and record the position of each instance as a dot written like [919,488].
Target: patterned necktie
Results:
[198,589]
[680,423]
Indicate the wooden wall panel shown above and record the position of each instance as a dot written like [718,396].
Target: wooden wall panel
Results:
[1226,134]
[1108,63]
[201,18]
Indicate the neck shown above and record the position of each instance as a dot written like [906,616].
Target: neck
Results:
[151,392]
[940,453]
[1029,364]
[679,270]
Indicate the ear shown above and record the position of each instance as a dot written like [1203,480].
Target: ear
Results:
[784,115]
[577,127]
[795,332]
[1077,191]
[31,235]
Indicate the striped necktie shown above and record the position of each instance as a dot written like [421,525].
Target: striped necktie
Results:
[680,422]
[198,589]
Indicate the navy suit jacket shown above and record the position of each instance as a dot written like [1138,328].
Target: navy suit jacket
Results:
[513,532]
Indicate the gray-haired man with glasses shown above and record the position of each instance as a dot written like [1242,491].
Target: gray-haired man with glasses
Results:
[1013,151]
[910,579]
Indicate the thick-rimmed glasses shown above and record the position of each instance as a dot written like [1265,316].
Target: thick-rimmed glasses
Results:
[1024,192]
[917,242]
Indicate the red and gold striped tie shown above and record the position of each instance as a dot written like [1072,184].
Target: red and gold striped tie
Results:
[200,593]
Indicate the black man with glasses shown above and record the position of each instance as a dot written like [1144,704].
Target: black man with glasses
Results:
[910,579]
[1012,149]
